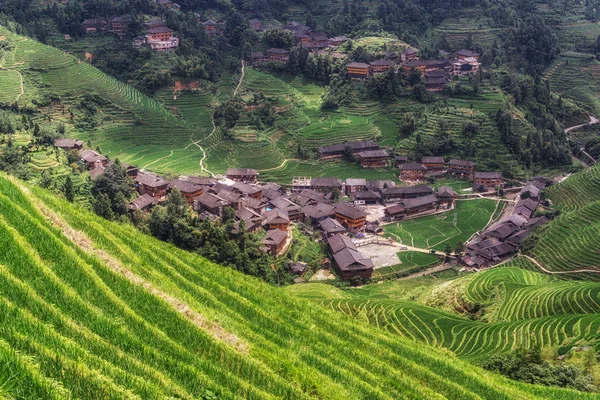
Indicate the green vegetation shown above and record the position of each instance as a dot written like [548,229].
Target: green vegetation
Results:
[92,308]
[468,217]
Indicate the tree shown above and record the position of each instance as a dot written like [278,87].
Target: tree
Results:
[311,22]
[102,206]
[447,250]
[279,38]
[459,249]
[348,154]
[335,194]
[68,189]
[409,125]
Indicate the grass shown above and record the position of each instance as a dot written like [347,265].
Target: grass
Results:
[433,232]
[95,309]
[409,260]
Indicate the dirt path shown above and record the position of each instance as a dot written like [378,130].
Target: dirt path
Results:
[158,159]
[240,82]
[439,268]
[593,120]
[575,271]
[86,244]
[283,164]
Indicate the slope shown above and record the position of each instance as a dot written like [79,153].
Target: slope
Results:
[94,309]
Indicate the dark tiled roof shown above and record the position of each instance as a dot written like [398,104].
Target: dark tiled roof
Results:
[326,182]
[241,172]
[159,29]
[355,64]
[211,200]
[150,180]
[339,242]
[412,167]
[277,216]
[348,211]
[380,184]
[274,237]
[426,63]
[356,182]
[348,259]
[200,180]
[285,204]
[432,160]
[68,142]
[488,175]
[184,186]
[382,63]
[330,225]
[246,188]
[318,210]
[446,191]
[419,189]
[467,53]
[373,153]
[91,156]
[275,50]
[395,209]
[409,51]
[461,163]
[365,195]
[142,202]
[419,201]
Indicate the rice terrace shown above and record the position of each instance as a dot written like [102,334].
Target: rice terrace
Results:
[299,200]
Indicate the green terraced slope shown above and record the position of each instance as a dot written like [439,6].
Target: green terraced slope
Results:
[92,309]
[522,309]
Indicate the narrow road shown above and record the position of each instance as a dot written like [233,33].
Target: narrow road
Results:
[575,271]
[593,120]
[439,268]
[240,82]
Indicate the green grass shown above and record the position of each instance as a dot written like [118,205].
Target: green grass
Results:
[437,230]
[409,260]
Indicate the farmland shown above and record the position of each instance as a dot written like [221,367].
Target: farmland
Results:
[94,309]
[520,309]
[469,217]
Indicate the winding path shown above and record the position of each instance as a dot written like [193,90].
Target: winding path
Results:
[575,271]
[240,82]
[593,120]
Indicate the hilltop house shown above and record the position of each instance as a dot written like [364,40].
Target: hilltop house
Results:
[381,66]
[412,172]
[92,159]
[399,160]
[151,184]
[464,66]
[373,158]
[338,40]
[463,53]
[461,168]
[408,55]
[274,240]
[436,80]
[337,150]
[277,55]
[488,179]
[188,189]
[434,165]
[144,202]
[358,71]
[120,26]
[242,175]
[68,144]
[424,66]
[350,262]
[94,25]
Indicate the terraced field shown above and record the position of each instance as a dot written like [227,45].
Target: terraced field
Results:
[94,309]
[577,191]
[433,232]
[10,86]
[522,309]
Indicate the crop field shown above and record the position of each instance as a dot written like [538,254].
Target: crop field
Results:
[96,309]
[10,86]
[577,191]
[522,309]
[469,217]
[408,260]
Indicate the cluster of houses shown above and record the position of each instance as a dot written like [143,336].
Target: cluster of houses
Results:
[117,25]
[435,73]
[504,238]
[315,41]
[370,155]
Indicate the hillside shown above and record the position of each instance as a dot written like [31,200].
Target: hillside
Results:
[96,309]
[518,309]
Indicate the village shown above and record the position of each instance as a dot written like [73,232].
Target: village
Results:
[435,73]
[348,214]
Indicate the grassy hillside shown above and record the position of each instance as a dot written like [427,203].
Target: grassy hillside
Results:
[519,308]
[95,309]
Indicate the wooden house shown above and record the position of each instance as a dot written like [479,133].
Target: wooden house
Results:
[424,66]
[151,184]
[358,70]
[144,202]
[337,150]
[367,197]
[248,189]
[277,55]
[434,165]
[92,159]
[399,160]
[463,53]
[256,58]
[395,212]
[373,159]
[277,219]
[68,144]
[355,185]
[160,33]
[380,185]
[120,26]
[488,179]
[331,227]
[242,175]
[94,25]
[408,55]
[394,194]
[381,66]
[211,203]
[317,212]
[274,240]
[461,168]
[412,172]
[351,217]
[326,184]
[292,210]
[338,40]
[419,204]
[188,189]
[464,67]
[446,196]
